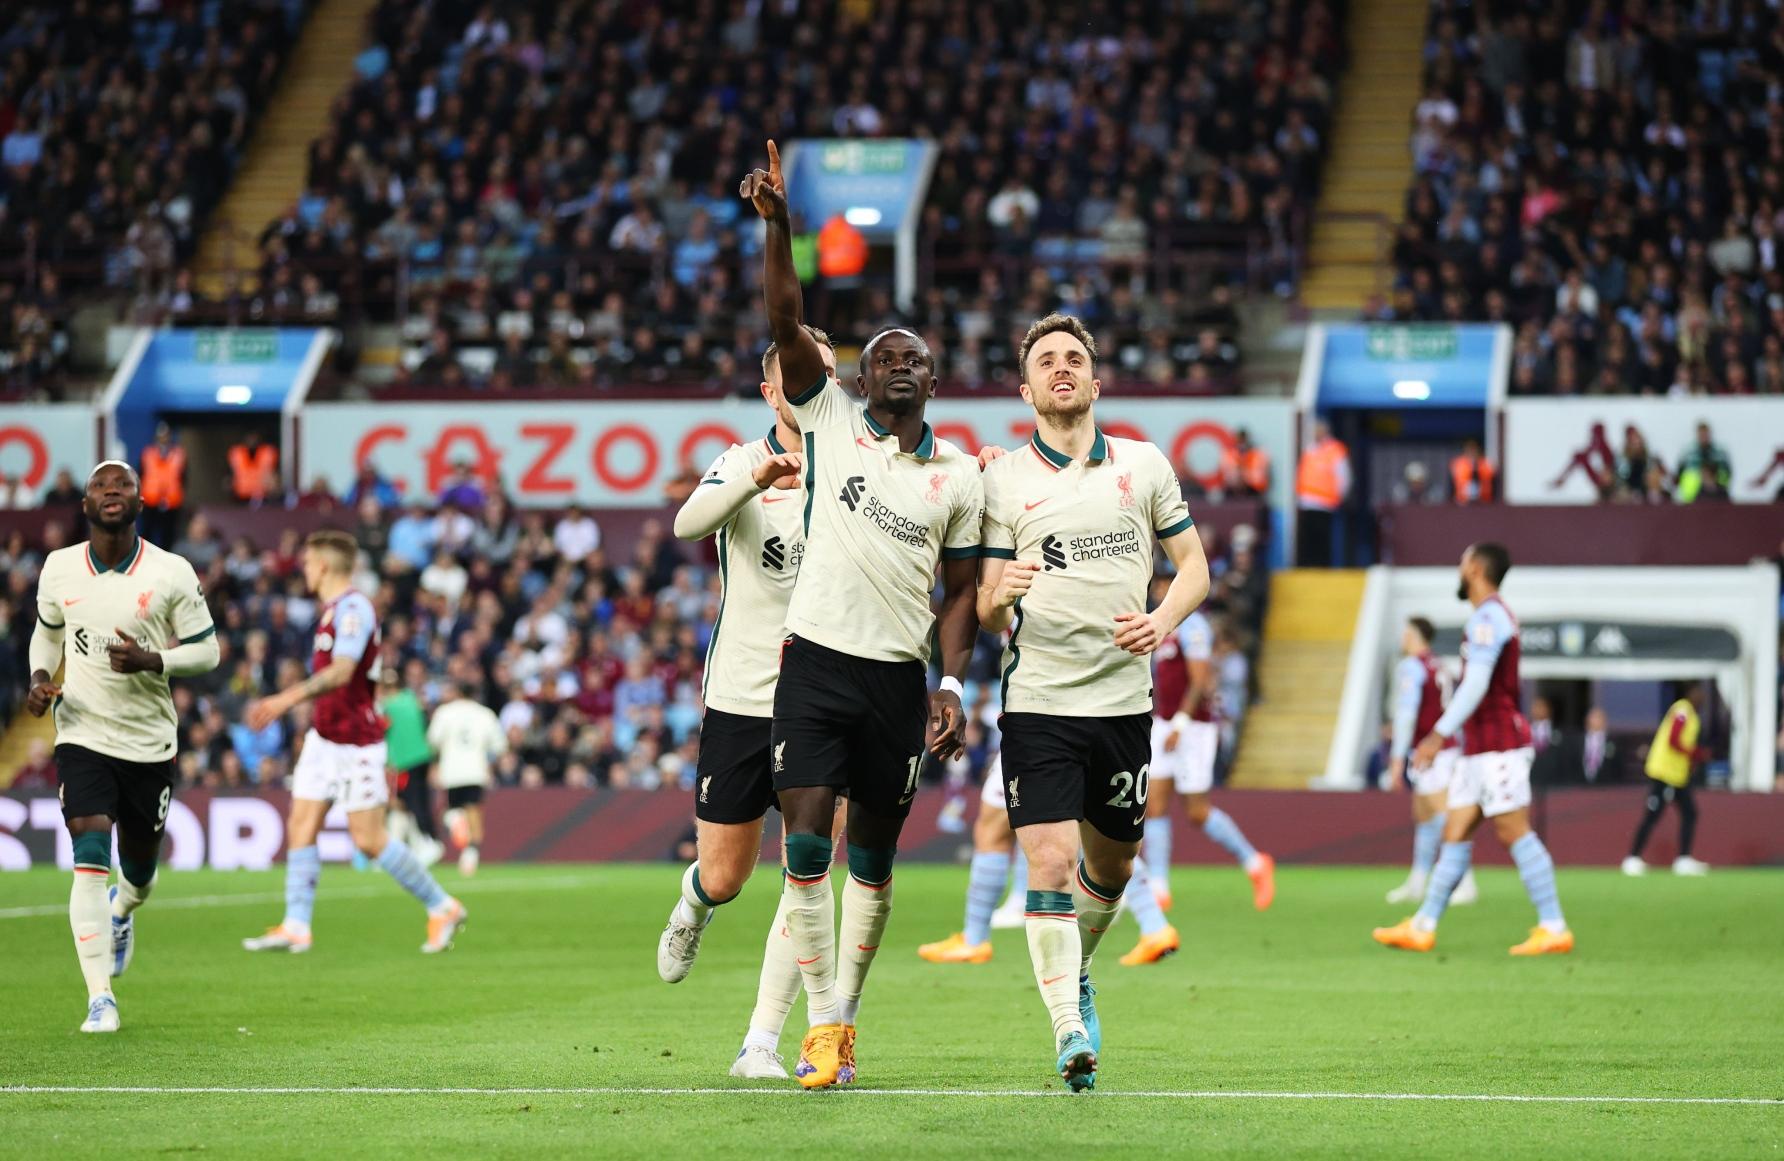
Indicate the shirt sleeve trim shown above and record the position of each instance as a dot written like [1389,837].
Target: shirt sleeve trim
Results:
[998,553]
[210,630]
[50,624]
[1183,525]
[963,552]
[810,393]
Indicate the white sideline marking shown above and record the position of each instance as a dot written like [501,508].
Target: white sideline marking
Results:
[1224,1094]
[194,902]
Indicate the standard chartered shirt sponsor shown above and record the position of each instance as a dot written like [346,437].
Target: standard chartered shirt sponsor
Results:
[1090,524]
[878,521]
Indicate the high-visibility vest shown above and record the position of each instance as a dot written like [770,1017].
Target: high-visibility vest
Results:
[1252,467]
[252,473]
[164,477]
[842,251]
[1668,763]
[1471,481]
[1317,482]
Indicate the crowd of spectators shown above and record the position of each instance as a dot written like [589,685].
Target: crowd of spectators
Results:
[545,193]
[1608,178]
[120,124]
[591,654]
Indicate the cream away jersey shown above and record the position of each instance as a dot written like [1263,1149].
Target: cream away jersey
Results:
[154,596]
[1090,525]
[877,522]
[466,736]
[760,550]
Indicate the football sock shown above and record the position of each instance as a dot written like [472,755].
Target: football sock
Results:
[1141,900]
[401,864]
[135,881]
[696,905]
[984,883]
[303,866]
[1687,806]
[1427,836]
[1096,906]
[778,986]
[89,917]
[865,910]
[1155,851]
[1055,951]
[1537,870]
[810,907]
[1452,864]
[1221,828]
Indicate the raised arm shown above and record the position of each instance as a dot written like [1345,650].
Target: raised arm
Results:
[802,363]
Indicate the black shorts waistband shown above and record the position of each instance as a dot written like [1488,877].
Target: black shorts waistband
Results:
[825,653]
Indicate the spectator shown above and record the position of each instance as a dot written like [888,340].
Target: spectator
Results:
[1414,486]
[411,538]
[576,535]
[463,490]
[370,484]
[38,772]
[15,494]
[64,492]
[253,470]
[1704,470]
[200,545]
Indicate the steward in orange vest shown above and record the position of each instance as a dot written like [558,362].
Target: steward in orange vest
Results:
[253,469]
[1471,476]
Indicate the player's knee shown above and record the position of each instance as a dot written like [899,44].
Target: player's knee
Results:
[1109,873]
[1051,870]
[1198,810]
[722,880]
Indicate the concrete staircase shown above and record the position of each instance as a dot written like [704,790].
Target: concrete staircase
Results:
[1306,650]
[15,743]
[1369,167]
[272,177]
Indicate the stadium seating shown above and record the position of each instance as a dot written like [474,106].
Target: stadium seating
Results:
[1610,187]
[545,197]
[120,125]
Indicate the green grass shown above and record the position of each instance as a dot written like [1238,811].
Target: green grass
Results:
[1674,992]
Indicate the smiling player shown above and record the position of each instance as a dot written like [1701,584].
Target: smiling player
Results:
[1070,524]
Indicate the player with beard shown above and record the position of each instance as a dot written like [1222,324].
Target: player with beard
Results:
[1492,779]
[1070,524]
[124,616]
[885,503]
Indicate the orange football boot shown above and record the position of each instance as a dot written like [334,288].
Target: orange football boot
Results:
[1542,941]
[955,949]
[1263,882]
[1405,936]
[1153,948]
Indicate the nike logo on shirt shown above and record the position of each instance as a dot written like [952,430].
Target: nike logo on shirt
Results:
[72,601]
[774,499]
[1036,504]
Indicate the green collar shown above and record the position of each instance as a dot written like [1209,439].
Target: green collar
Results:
[774,443]
[1099,450]
[122,566]
[925,446]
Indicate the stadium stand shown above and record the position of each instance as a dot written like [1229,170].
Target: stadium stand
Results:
[543,195]
[120,126]
[1606,178]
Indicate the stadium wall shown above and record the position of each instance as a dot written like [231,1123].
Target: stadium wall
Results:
[37,440]
[1599,535]
[1583,827]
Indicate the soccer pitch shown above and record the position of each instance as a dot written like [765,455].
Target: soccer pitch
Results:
[1282,1034]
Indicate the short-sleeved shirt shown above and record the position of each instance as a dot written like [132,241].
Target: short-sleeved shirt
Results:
[405,731]
[468,736]
[153,596]
[1490,638]
[877,522]
[1193,641]
[760,550]
[348,714]
[1090,524]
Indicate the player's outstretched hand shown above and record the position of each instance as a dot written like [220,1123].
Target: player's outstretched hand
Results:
[44,693]
[766,189]
[126,656]
[947,724]
[1018,577]
[1136,633]
[779,471]
[990,455]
